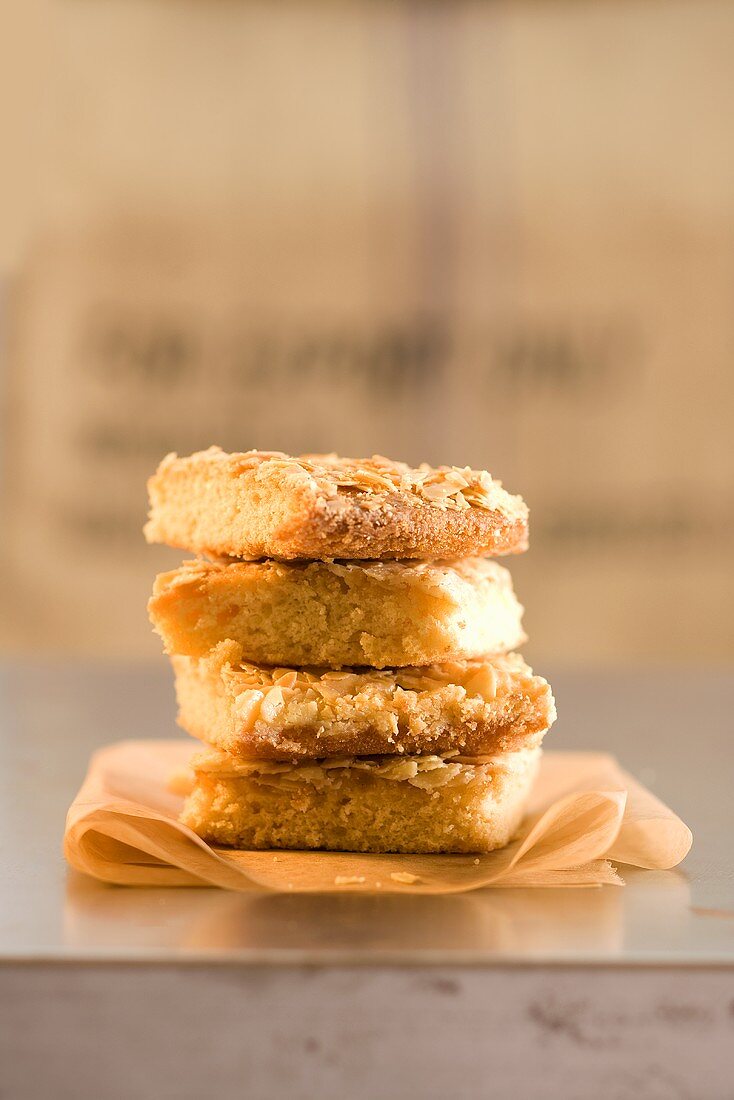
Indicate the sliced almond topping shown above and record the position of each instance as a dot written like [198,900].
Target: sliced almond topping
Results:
[428,780]
[483,682]
[272,704]
[285,677]
[247,707]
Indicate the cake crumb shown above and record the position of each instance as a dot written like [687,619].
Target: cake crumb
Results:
[404,876]
[349,880]
[476,862]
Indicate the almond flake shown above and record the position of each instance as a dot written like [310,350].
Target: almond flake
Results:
[247,707]
[272,704]
[285,678]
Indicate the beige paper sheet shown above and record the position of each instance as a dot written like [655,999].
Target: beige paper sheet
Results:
[584,812]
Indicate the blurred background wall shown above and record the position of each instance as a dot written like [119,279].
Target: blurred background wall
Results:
[498,234]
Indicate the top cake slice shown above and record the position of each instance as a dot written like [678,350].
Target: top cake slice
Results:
[268,505]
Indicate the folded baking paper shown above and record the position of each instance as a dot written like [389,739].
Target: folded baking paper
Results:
[584,812]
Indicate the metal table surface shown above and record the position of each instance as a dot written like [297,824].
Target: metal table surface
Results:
[671,727]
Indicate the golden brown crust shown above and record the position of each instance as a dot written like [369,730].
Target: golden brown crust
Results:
[334,614]
[474,707]
[388,805]
[256,504]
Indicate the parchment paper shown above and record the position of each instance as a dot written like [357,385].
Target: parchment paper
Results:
[584,812]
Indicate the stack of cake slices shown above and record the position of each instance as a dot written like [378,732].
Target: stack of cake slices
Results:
[343,646]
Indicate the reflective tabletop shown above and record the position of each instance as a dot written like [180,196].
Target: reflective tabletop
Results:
[670,727]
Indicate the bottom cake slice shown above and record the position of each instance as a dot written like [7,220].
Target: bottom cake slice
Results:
[409,804]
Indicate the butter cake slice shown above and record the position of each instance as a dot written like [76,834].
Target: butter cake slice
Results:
[413,804]
[334,614]
[251,711]
[267,504]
